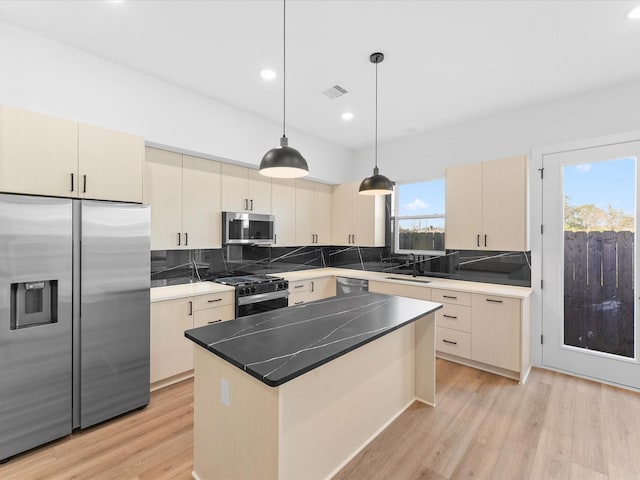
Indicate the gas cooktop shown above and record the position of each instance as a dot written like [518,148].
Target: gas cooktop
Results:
[242,280]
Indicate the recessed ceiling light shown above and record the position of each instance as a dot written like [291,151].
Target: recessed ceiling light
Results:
[635,13]
[347,116]
[268,74]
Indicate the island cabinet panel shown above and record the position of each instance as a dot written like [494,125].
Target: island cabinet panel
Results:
[245,190]
[402,289]
[184,194]
[283,208]
[496,331]
[487,205]
[110,164]
[171,352]
[357,219]
[38,153]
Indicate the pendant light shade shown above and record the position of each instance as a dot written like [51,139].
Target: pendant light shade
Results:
[376,184]
[284,161]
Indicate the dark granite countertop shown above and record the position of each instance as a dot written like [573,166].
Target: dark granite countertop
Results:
[280,345]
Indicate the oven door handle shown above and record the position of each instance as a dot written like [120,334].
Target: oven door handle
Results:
[262,297]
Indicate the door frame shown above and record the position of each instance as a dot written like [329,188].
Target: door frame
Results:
[535,220]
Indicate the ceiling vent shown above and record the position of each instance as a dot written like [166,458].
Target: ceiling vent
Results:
[335,92]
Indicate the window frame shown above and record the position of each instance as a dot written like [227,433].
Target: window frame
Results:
[395,219]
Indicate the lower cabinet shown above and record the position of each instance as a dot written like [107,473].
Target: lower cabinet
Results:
[303,291]
[484,331]
[171,353]
[496,331]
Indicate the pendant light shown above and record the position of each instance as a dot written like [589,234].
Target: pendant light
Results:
[376,184]
[284,161]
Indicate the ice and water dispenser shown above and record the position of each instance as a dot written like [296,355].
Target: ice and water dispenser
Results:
[34,303]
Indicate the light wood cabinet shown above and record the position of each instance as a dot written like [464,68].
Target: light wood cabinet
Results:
[110,164]
[283,208]
[303,291]
[171,357]
[44,155]
[356,219]
[453,322]
[245,190]
[312,213]
[401,289]
[184,194]
[496,331]
[171,352]
[487,205]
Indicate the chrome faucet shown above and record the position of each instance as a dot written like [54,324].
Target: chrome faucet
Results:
[412,259]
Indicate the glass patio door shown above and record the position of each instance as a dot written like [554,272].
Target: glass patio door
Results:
[589,270]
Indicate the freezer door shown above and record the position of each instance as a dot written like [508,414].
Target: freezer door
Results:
[35,321]
[114,311]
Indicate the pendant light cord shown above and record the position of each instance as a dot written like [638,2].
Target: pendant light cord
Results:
[376,154]
[284,67]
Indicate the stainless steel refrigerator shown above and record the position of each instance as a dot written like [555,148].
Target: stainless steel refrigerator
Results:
[74,316]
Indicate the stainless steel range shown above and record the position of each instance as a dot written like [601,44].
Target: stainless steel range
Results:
[258,293]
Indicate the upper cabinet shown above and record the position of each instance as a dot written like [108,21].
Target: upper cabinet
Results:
[184,194]
[312,213]
[487,206]
[44,155]
[38,153]
[357,219]
[283,208]
[110,164]
[245,190]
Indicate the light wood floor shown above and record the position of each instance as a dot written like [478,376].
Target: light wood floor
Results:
[484,427]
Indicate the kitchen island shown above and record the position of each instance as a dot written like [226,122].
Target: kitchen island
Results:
[297,392]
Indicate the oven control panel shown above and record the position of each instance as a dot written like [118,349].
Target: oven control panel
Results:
[263,287]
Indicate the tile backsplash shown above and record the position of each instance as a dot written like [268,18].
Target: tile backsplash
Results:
[180,266]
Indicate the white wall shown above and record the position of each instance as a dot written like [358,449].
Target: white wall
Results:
[46,76]
[594,114]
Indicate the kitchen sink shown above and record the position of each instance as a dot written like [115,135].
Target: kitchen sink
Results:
[408,279]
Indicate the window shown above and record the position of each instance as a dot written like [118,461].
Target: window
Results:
[418,217]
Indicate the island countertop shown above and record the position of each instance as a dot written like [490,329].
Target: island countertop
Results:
[280,345]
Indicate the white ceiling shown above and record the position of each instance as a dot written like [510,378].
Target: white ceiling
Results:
[446,61]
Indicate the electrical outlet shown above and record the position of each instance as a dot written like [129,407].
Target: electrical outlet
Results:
[225,392]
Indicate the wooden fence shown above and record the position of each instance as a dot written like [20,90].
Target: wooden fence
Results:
[598,291]
[421,240]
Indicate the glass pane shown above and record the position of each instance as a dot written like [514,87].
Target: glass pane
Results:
[424,198]
[421,234]
[599,264]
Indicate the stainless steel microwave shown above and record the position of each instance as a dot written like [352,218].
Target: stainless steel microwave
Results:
[247,228]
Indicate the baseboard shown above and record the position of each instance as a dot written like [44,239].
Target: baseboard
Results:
[480,366]
[165,382]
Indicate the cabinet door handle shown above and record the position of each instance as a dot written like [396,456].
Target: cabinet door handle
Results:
[190,307]
[493,301]
[449,341]
[449,316]
[251,201]
[186,239]
[178,242]
[478,240]
[450,296]
[215,300]
[298,303]
[215,321]
[246,204]
[298,286]
[84,184]
[485,240]
[72,182]
[312,287]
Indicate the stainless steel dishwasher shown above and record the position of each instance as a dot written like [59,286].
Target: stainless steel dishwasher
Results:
[345,286]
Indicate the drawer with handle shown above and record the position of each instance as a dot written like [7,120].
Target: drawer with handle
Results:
[451,296]
[209,316]
[457,317]
[453,342]
[299,286]
[211,300]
